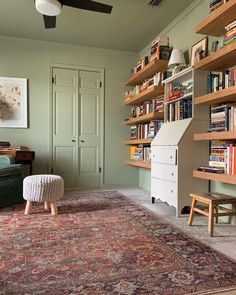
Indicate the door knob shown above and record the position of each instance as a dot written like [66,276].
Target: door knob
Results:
[73,140]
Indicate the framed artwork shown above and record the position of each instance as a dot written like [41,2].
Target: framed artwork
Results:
[13,103]
[199,51]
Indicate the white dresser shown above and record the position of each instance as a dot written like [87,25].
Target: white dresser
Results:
[174,157]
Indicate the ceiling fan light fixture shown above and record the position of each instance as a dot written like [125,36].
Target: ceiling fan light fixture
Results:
[48,7]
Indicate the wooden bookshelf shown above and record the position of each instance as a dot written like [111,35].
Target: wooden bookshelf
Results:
[145,118]
[140,164]
[149,93]
[222,96]
[223,135]
[214,24]
[230,179]
[139,141]
[155,66]
[220,60]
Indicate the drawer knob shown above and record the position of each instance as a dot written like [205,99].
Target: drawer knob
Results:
[172,174]
[172,191]
[171,157]
[153,156]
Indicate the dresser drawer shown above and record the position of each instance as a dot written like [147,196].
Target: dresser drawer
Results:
[164,190]
[165,155]
[164,171]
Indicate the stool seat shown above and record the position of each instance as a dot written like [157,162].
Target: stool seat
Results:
[211,210]
[43,188]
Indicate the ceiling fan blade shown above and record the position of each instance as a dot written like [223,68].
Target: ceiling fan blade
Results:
[49,21]
[88,5]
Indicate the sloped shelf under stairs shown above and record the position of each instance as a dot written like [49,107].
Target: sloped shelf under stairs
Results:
[145,118]
[140,164]
[221,96]
[223,135]
[139,141]
[155,66]
[230,179]
[214,24]
[147,94]
[220,60]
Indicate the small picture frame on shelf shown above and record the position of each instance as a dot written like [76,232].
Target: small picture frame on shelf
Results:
[199,51]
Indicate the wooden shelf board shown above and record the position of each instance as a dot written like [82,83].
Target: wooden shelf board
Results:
[222,59]
[149,93]
[214,24]
[139,141]
[140,164]
[223,135]
[222,96]
[155,66]
[145,118]
[231,179]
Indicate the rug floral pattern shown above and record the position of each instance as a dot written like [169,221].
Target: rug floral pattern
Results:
[103,243]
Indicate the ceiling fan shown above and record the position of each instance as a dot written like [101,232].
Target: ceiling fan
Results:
[51,8]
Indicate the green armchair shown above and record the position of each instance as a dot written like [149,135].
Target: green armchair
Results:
[11,181]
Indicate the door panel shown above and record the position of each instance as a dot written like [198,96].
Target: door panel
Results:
[65,125]
[89,135]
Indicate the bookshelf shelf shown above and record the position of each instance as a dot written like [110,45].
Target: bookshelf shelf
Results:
[139,164]
[222,96]
[145,95]
[182,97]
[223,135]
[138,141]
[214,24]
[156,65]
[145,118]
[218,61]
[230,179]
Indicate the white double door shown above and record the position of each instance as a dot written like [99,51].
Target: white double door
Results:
[77,127]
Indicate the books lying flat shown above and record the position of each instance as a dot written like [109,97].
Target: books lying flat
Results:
[211,169]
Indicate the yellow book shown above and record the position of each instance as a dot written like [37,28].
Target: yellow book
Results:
[132,151]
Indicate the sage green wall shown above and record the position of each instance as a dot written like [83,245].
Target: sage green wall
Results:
[31,59]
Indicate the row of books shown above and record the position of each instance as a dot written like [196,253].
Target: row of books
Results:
[223,117]
[148,130]
[221,80]
[179,110]
[159,49]
[214,4]
[156,80]
[230,35]
[223,157]
[155,105]
[176,90]
[140,153]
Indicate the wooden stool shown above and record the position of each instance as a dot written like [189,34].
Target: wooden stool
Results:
[211,209]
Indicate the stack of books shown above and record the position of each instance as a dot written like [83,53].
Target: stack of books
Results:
[140,65]
[132,92]
[223,118]
[4,144]
[179,110]
[148,130]
[222,158]
[160,49]
[221,80]
[230,35]
[214,4]
[177,90]
[140,153]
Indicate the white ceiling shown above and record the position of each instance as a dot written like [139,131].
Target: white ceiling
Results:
[130,27]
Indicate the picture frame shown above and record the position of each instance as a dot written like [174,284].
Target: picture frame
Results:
[13,102]
[199,51]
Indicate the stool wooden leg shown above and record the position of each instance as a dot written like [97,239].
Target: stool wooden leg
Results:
[211,219]
[216,214]
[192,212]
[54,208]
[28,207]
[46,205]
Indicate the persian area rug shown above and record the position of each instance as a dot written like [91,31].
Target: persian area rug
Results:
[103,243]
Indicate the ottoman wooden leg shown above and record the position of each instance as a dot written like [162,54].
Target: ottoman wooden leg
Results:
[54,208]
[28,207]
[46,205]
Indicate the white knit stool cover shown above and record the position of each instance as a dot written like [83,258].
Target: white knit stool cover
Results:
[40,188]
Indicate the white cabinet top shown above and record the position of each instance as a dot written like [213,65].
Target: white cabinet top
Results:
[171,133]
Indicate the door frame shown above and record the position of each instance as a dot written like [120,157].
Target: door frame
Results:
[101,111]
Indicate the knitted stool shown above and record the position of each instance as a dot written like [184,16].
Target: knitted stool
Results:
[43,188]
